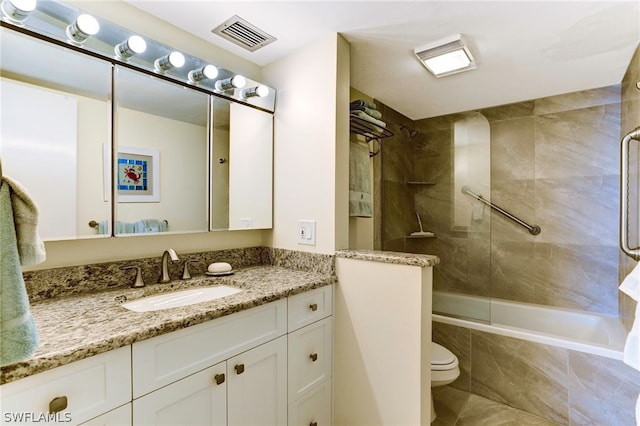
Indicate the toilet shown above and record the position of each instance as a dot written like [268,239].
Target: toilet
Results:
[444,370]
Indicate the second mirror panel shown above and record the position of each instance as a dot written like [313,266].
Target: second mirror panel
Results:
[242,167]
[161,169]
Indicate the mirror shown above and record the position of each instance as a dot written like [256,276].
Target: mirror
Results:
[190,161]
[241,167]
[162,140]
[56,118]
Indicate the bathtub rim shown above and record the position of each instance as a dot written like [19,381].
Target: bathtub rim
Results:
[532,336]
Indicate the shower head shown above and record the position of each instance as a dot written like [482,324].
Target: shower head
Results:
[412,132]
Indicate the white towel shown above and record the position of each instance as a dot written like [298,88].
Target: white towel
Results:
[631,284]
[631,356]
[25,216]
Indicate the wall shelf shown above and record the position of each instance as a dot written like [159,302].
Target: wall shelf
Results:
[418,237]
[369,130]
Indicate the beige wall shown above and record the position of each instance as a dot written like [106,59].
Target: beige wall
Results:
[307,143]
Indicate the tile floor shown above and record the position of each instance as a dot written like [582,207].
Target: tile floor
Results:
[459,408]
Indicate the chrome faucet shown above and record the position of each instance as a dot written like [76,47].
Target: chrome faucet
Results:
[165,277]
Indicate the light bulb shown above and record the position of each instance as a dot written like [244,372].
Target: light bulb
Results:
[132,46]
[172,60]
[259,91]
[206,72]
[82,28]
[16,11]
[235,82]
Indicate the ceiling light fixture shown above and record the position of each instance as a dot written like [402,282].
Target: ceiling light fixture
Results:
[172,60]
[203,73]
[134,45]
[447,56]
[82,28]
[260,91]
[235,82]
[16,11]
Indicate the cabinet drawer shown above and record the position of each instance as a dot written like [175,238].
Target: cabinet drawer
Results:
[92,386]
[309,357]
[313,408]
[172,356]
[308,307]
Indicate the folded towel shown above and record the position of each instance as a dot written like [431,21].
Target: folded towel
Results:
[18,333]
[362,103]
[125,228]
[631,286]
[25,216]
[360,200]
[369,118]
[372,112]
[150,225]
[103,227]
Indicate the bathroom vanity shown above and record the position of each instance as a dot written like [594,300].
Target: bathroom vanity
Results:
[261,356]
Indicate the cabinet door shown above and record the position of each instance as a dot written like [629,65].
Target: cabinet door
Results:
[199,399]
[119,417]
[257,388]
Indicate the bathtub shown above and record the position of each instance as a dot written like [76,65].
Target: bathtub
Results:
[572,329]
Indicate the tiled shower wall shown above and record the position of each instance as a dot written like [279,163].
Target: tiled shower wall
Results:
[554,163]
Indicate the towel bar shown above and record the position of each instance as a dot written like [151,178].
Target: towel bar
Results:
[634,253]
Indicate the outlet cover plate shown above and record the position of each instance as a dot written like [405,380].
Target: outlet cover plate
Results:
[307,232]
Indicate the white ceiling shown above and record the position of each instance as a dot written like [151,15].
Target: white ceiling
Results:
[524,49]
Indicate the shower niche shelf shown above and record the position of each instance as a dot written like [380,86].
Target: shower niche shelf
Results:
[420,183]
[419,237]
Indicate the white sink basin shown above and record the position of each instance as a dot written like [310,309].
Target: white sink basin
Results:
[180,298]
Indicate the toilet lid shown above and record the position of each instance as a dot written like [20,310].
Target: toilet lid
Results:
[442,358]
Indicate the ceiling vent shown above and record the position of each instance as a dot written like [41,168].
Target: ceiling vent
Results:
[243,34]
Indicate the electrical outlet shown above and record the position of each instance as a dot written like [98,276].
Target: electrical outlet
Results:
[307,232]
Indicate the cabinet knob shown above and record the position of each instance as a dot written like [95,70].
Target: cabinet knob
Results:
[219,378]
[313,307]
[313,357]
[239,368]
[58,404]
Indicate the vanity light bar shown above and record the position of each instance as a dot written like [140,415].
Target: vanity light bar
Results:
[52,21]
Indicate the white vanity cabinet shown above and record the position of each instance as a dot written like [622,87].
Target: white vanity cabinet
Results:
[71,394]
[267,365]
[310,342]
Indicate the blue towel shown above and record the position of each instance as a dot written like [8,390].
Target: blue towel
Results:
[18,333]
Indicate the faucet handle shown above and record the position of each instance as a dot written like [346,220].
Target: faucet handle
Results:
[139,281]
[185,271]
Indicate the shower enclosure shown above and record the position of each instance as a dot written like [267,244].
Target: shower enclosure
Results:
[550,166]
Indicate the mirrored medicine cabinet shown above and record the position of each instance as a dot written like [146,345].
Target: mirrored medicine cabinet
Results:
[108,150]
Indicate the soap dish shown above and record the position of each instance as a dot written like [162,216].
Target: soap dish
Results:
[218,274]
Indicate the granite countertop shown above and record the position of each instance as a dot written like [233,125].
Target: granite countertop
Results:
[73,328]
[394,257]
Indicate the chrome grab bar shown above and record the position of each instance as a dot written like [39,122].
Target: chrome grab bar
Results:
[533,229]
[624,190]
